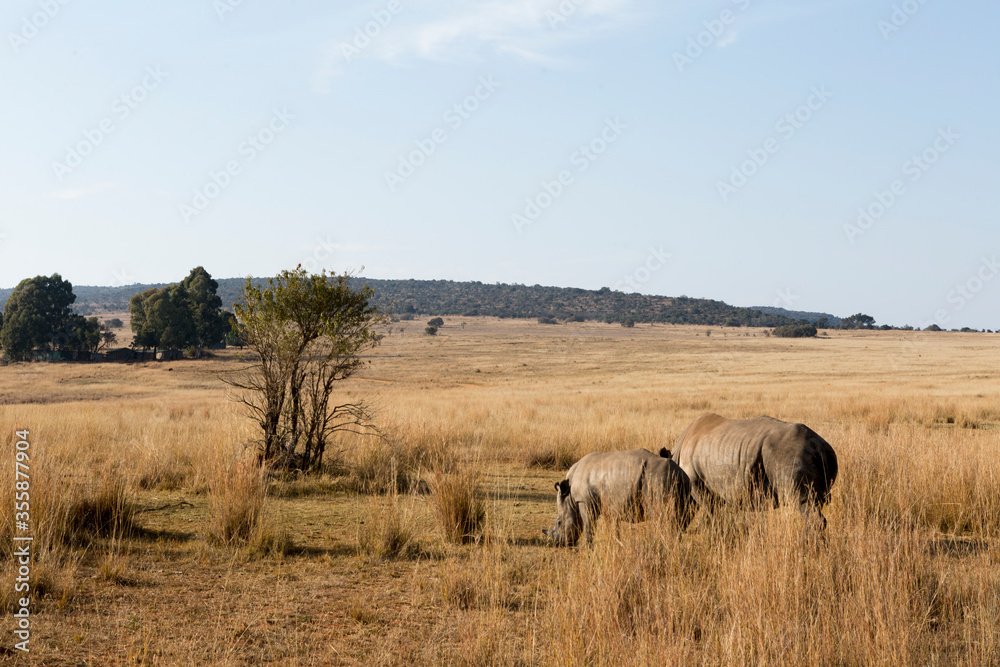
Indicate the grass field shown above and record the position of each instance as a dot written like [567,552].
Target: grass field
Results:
[140,477]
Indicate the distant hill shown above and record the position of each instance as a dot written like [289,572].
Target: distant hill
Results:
[833,320]
[446,297]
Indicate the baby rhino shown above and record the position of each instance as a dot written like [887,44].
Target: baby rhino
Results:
[626,485]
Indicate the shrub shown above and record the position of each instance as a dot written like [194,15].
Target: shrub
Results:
[795,331]
[628,323]
[72,508]
[556,456]
[431,331]
[388,530]
[456,502]
[436,322]
[384,468]
[548,320]
[237,511]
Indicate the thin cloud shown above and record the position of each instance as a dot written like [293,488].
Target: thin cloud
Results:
[78,193]
[533,31]
[727,40]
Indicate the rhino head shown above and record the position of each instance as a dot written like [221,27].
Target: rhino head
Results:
[565,532]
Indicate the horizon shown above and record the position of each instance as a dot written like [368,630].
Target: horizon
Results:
[359,277]
[837,157]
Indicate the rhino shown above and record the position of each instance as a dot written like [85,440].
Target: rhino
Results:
[756,462]
[626,485]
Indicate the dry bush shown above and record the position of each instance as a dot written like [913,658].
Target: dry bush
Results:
[457,502]
[238,515]
[392,463]
[387,531]
[384,467]
[558,455]
[299,485]
[53,576]
[163,469]
[70,507]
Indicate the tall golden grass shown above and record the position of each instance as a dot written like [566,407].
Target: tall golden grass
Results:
[906,572]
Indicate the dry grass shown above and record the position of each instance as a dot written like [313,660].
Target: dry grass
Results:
[387,532]
[238,516]
[457,501]
[488,417]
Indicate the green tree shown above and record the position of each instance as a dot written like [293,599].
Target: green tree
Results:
[173,317]
[163,318]
[206,309]
[308,331]
[140,308]
[795,331]
[858,321]
[37,311]
[84,334]
[234,332]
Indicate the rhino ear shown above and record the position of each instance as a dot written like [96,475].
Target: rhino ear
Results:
[563,488]
[665,453]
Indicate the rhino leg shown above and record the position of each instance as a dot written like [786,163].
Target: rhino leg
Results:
[588,516]
[703,496]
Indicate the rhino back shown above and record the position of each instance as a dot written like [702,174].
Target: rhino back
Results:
[729,456]
[799,461]
[665,480]
[608,481]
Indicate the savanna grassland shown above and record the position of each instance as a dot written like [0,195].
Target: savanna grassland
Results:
[158,541]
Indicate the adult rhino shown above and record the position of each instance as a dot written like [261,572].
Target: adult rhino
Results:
[760,461]
[625,485]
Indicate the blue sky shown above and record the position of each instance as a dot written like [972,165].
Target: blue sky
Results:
[723,150]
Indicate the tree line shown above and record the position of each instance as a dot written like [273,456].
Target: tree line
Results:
[38,318]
